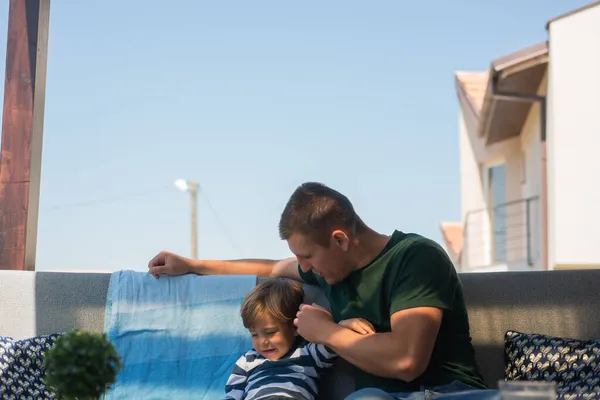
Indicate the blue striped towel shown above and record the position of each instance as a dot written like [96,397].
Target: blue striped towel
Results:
[178,337]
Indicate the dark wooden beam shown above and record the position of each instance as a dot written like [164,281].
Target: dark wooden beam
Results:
[22,127]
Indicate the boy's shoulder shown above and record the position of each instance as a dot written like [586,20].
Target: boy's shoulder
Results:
[250,359]
[252,354]
[317,352]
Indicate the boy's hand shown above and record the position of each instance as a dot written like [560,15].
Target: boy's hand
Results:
[358,325]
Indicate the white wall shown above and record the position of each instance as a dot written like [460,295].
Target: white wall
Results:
[573,140]
[476,244]
[471,184]
[515,214]
[475,159]
[511,157]
[531,148]
[522,158]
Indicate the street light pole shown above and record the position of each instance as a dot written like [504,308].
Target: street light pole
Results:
[194,199]
[192,188]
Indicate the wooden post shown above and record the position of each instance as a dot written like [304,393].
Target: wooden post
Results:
[194,203]
[22,126]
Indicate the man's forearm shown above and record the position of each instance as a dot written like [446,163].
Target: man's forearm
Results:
[377,353]
[258,267]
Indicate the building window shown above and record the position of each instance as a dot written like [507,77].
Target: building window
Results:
[497,202]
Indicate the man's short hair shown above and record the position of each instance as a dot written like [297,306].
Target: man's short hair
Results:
[316,210]
[278,298]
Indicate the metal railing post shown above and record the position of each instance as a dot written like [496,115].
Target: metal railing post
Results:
[517,235]
[528,227]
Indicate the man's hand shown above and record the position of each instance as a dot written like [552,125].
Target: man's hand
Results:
[169,264]
[358,325]
[314,323]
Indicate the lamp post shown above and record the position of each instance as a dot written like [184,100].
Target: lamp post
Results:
[191,187]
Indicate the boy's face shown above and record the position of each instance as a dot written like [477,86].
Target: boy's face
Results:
[272,339]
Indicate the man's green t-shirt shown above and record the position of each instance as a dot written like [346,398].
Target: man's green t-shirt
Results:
[411,271]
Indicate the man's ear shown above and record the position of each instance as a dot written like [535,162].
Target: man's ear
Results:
[340,239]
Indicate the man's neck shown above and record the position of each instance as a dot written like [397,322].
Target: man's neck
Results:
[368,246]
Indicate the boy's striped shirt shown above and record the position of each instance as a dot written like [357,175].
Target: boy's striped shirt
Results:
[295,375]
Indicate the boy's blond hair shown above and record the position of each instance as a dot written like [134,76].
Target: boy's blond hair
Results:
[278,298]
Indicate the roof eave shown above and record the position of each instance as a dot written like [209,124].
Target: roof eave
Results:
[521,56]
[501,69]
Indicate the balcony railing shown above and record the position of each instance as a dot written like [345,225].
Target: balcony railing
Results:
[508,234]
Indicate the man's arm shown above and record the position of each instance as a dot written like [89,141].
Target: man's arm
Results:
[174,264]
[421,290]
[403,353]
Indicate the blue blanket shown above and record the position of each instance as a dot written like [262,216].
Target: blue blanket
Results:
[178,336]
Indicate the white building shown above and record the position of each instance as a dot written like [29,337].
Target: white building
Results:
[529,154]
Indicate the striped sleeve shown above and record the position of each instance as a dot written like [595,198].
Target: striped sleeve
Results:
[322,356]
[234,388]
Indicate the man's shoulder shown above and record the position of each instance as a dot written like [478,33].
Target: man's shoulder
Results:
[412,238]
[413,251]
[403,243]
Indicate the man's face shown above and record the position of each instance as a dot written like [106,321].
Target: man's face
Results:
[327,262]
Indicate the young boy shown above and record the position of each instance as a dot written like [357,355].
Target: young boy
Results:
[282,365]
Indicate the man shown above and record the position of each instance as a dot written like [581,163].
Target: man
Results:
[403,284]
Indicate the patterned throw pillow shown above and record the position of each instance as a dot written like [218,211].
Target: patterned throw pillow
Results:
[573,364]
[22,367]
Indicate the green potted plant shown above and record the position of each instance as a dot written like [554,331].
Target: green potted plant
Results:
[82,365]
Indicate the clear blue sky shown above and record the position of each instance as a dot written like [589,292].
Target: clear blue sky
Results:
[251,99]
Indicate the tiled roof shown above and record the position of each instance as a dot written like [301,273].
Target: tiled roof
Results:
[475,84]
[453,234]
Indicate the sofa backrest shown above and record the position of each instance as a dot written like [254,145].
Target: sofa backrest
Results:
[39,303]
[556,303]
